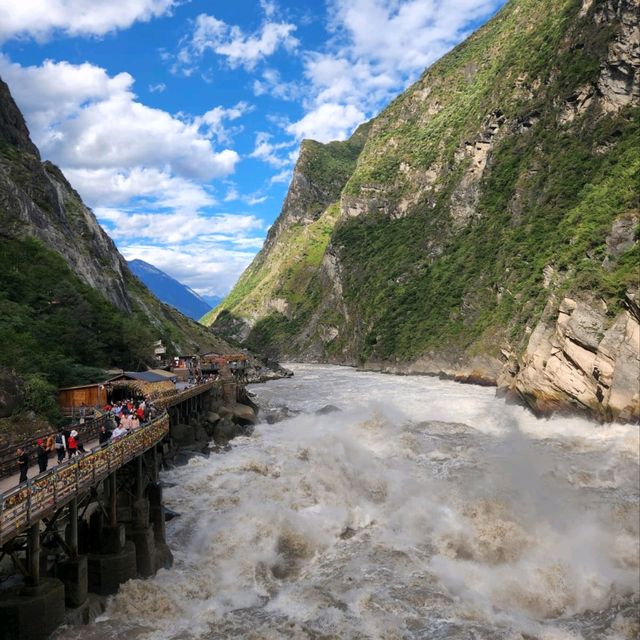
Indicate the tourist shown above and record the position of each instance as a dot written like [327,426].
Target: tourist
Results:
[41,455]
[51,445]
[61,445]
[23,464]
[72,444]
[104,436]
[134,422]
[118,433]
[67,434]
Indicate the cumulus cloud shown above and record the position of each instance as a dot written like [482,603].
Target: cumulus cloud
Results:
[88,121]
[206,252]
[267,151]
[378,48]
[160,87]
[271,83]
[328,121]
[40,18]
[235,46]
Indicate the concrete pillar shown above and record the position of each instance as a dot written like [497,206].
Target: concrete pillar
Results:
[74,574]
[32,613]
[113,500]
[107,571]
[145,550]
[164,557]
[33,555]
[71,533]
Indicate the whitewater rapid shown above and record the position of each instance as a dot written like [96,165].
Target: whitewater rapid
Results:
[421,509]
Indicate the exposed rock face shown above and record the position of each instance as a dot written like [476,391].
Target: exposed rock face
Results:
[501,183]
[582,356]
[36,200]
[619,81]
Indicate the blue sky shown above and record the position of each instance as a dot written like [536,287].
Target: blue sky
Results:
[179,121]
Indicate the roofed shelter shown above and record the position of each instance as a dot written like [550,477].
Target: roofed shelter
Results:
[90,395]
[138,385]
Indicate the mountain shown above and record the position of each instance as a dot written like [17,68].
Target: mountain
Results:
[69,305]
[169,290]
[484,226]
[212,301]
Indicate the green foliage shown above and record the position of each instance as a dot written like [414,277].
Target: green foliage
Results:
[40,397]
[55,330]
[420,280]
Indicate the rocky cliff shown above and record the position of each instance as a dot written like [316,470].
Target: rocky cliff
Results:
[69,305]
[489,227]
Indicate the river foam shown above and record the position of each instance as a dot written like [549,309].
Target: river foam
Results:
[423,509]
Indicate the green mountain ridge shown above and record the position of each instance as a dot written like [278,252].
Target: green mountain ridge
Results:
[69,306]
[487,229]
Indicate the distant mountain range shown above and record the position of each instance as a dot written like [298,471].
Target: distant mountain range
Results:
[171,291]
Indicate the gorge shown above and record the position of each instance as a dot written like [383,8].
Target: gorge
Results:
[483,227]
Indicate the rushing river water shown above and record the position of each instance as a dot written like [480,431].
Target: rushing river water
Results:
[422,509]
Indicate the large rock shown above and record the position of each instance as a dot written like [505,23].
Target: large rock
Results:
[582,359]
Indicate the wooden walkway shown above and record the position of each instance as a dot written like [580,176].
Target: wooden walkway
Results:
[26,504]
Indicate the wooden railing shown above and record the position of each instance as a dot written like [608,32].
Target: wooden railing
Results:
[172,400]
[87,432]
[39,497]
[91,428]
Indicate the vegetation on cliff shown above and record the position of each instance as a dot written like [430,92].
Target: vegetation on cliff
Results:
[505,179]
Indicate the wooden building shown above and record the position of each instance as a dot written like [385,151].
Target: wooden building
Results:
[90,395]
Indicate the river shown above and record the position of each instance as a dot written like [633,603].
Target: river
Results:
[422,509]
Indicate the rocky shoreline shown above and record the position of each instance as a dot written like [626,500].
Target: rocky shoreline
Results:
[580,359]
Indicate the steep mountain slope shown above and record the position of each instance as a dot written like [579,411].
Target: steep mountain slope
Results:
[69,306]
[169,290]
[489,228]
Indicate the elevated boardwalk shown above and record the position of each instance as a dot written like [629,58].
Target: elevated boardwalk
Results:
[94,522]
[42,496]
[26,504]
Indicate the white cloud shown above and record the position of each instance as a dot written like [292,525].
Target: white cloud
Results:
[239,49]
[329,121]
[273,85]
[268,7]
[40,18]
[212,122]
[378,48]
[253,200]
[208,267]
[282,177]
[175,226]
[85,120]
[266,150]
[158,88]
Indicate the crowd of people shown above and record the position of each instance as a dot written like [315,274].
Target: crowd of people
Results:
[123,417]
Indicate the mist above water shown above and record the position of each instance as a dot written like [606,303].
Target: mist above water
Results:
[422,509]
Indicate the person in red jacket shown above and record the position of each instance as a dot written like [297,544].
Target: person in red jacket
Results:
[72,444]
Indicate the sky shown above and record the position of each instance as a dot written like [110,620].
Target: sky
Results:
[179,121]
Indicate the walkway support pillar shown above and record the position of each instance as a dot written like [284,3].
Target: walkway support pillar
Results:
[33,555]
[113,500]
[72,532]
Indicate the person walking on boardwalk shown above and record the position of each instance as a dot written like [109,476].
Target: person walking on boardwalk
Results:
[104,436]
[61,445]
[23,464]
[51,444]
[72,444]
[41,455]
